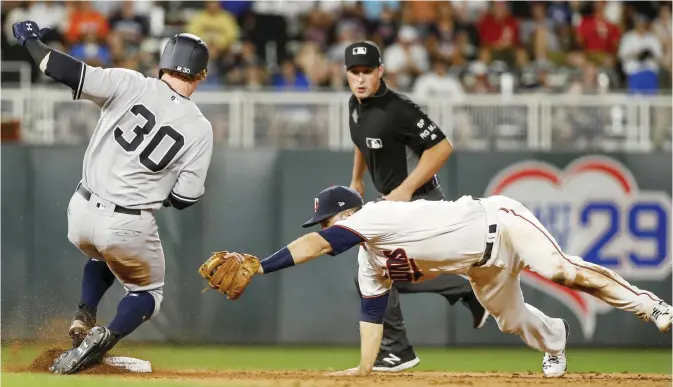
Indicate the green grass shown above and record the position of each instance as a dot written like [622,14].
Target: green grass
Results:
[166,357]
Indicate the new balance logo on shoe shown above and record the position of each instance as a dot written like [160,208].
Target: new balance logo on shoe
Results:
[391,359]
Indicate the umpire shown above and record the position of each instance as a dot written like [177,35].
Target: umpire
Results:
[403,150]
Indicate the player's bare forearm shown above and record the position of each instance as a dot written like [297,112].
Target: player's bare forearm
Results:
[431,162]
[308,247]
[370,341]
[359,166]
[301,250]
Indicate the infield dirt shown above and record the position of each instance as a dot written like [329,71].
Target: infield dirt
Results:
[320,379]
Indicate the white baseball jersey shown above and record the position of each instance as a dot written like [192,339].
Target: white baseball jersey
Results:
[149,141]
[415,241]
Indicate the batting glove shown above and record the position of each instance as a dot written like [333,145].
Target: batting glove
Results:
[27,30]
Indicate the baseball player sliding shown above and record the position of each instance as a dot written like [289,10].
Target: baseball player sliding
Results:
[151,148]
[490,240]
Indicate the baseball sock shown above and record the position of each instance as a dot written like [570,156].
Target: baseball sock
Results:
[133,310]
[96,281]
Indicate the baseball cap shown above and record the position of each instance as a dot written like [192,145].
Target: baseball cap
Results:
[331,201]
[363,53]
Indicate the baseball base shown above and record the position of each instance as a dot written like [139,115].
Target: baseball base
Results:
[128,363]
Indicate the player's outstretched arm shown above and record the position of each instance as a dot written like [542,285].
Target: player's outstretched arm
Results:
[55,64]
[333,241]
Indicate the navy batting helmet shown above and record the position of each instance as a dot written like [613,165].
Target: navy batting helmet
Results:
[186,54]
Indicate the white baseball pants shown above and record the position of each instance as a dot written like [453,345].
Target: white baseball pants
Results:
[129,244]
[523,242]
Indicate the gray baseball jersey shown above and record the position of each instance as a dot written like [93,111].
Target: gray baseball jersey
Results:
[149,141]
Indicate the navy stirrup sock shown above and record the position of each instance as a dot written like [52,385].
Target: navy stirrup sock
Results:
[96,281]
[133,310]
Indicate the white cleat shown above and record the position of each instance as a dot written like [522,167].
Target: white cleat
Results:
[662,316]
[555,366]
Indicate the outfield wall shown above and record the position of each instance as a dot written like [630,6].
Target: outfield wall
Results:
[616,210]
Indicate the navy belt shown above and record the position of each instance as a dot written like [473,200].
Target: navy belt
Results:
[122,210]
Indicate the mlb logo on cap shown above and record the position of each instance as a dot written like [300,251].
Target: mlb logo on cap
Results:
[363,53]
[359,50]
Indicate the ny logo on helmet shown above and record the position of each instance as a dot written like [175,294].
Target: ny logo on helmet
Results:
[315,205]
[359,50]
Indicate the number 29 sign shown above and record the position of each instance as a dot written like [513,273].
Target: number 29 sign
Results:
[595,210]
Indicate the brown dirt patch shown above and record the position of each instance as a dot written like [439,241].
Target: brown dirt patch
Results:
[46,358]
[319,379]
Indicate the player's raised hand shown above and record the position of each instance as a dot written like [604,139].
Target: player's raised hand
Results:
[27,29]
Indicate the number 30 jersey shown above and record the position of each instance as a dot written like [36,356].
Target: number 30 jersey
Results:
[416,241]
[150,142]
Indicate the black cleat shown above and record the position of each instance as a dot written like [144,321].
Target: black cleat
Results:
[393,362]
[81,325]
[98,341]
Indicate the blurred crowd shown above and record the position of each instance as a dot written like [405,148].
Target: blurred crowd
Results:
[446,48]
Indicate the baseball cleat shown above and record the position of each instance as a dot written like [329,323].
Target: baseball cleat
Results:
[555,366]
[97,342]
[80,326]
[394,362]
[662,316]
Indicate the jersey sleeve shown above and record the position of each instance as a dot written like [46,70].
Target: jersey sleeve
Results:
[374,221]
[372,282]
[100,85]
[190,185]
[417,128]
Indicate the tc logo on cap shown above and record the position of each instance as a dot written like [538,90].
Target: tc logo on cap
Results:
[359,50]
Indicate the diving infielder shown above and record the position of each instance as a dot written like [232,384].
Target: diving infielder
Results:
[151,148]
[490,240]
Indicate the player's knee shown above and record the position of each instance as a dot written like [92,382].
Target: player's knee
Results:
[563,272]
[158,295]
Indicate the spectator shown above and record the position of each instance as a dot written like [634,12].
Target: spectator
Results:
[217,27]
[91,51]
[290,78]
[499,32]
[438,83]
[406,59]
[316,28]
[313,61]
[442,39]
[596,35]
[384,30]
[641,52]
[538,33]
[85,21]
[346,34]
[662,29]
[131,27]
[374,10]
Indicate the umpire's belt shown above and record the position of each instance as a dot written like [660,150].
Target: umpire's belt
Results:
[491,220]
[122,210]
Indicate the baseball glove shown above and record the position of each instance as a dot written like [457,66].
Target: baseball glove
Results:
[229,272]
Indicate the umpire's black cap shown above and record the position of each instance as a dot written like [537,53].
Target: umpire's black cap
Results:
[331,201]
[185,53]
[363,53]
